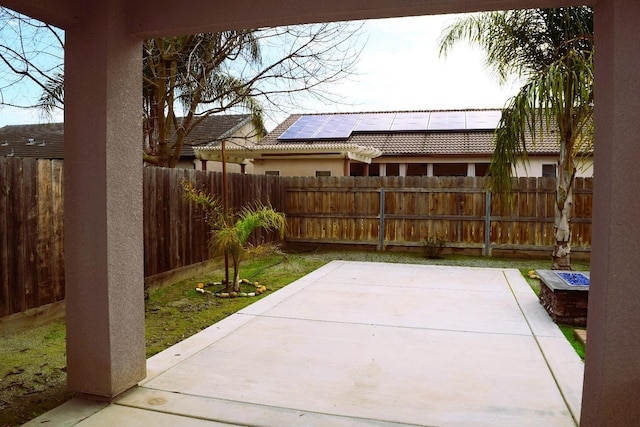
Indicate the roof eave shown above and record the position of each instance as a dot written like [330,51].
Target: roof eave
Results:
[353,152]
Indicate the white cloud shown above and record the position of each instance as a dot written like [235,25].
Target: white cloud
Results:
[400,69]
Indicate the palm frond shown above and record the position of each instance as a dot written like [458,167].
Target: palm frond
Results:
[226,240]
[261,216]
[559,97]
[53,94]
[523,42]
[211,204]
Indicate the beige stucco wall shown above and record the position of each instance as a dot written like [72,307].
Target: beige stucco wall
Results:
[534,167]
[407,160]
[299,167]
[308,167]
[231,167]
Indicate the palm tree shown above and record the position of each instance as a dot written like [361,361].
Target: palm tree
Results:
[231,233]
[552,51]
[232,237]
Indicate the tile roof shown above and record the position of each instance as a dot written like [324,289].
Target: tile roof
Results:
[48,139]
[43,141]
[213,129]
[216,127]
[471,142]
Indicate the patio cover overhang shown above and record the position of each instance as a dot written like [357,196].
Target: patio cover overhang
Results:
[103,175]
[289,151]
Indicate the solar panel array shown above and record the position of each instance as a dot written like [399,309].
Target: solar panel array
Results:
[340,126]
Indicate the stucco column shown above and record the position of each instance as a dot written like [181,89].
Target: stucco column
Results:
[429,169]
[103,204]
[612,373]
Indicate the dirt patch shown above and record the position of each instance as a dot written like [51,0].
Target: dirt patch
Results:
[32,373]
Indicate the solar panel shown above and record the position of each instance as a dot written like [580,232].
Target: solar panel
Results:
[374,122]
[305,127]
[338,127]
[333,133]
[447,120]
[341,126]
[483,119]
[410,122]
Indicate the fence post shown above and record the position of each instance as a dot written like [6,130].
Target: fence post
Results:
[381,230]
[487,224]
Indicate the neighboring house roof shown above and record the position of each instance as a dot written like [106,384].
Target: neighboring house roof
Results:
[434,142]
[213,129]
[46,141]
[42,141]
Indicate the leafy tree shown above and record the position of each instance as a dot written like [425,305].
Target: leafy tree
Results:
[231,231]
[187,72]
[551,50]
[259,71]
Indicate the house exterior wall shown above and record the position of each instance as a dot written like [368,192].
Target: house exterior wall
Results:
[534,167]
[245,136]
[299,167]
[213,166]
[403,166]
[217,167]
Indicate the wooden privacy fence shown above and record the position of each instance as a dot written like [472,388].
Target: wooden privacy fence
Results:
[31,225]
[335,210]
[459,210]
[31,249]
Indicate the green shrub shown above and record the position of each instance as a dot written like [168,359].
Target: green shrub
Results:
[433,246]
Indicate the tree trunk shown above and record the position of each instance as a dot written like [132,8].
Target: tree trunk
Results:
[236,274]
[562,230]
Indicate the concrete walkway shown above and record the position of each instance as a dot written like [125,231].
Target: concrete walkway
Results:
[355,344]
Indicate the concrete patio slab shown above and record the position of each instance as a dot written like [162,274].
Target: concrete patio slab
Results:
[358,343]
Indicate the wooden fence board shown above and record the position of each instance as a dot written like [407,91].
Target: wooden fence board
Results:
[30,233]
[57,235]
[149,211]
[45,227]
[5,306]
[179,219]
[15,233]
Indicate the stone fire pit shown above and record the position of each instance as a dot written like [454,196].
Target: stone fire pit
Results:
[565,295]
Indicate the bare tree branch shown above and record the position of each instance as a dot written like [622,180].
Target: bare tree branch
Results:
[32,53]
[187,78]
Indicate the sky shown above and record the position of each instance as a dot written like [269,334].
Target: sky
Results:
[399,69]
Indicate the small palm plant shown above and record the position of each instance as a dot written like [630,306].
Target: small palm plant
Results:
[231,231]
